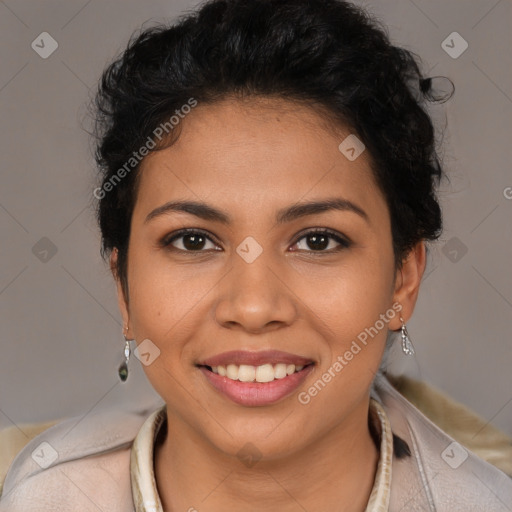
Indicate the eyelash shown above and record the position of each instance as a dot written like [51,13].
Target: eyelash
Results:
[344,243]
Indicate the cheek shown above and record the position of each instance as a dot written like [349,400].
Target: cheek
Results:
[351,297]
[168,305]
[162,309]
[353,311]
[162,295]
[353,316]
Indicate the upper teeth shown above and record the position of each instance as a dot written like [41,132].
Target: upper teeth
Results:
[263,373]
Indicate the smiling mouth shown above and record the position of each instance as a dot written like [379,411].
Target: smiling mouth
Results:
[262,373]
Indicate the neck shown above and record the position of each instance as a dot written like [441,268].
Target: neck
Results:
[336,472]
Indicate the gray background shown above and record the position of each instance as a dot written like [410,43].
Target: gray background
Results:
[61,339]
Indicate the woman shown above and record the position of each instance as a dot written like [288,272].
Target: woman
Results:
[268,188]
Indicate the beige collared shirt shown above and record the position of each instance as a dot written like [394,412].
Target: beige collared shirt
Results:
[145,492]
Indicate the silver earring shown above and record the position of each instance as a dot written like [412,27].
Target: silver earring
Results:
[123,367]
[407,347]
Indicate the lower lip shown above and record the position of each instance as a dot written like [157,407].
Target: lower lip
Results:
[253,394]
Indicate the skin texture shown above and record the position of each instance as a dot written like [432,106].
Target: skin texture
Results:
[251,159]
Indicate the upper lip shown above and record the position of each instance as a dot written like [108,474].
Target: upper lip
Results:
[239,357]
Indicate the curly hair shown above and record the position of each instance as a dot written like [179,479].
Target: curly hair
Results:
[326,53]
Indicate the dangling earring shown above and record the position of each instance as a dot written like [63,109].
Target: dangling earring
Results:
[123,367]
[407,347]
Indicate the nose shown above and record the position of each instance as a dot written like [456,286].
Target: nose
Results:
[254,297]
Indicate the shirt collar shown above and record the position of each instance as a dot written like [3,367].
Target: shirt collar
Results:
[144,489]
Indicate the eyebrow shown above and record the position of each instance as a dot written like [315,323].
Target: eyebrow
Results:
[207,212]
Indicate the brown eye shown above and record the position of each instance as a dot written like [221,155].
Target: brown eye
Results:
[321,241]
[317,242]
[189,241]
[193,242]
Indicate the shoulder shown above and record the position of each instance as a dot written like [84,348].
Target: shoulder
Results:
[82,463]
[440,474]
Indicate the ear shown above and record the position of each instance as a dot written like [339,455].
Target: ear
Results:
[407,284]
[121,299]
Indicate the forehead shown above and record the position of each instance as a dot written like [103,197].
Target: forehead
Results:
[256,151]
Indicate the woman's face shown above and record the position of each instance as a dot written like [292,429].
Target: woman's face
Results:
[253,280]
